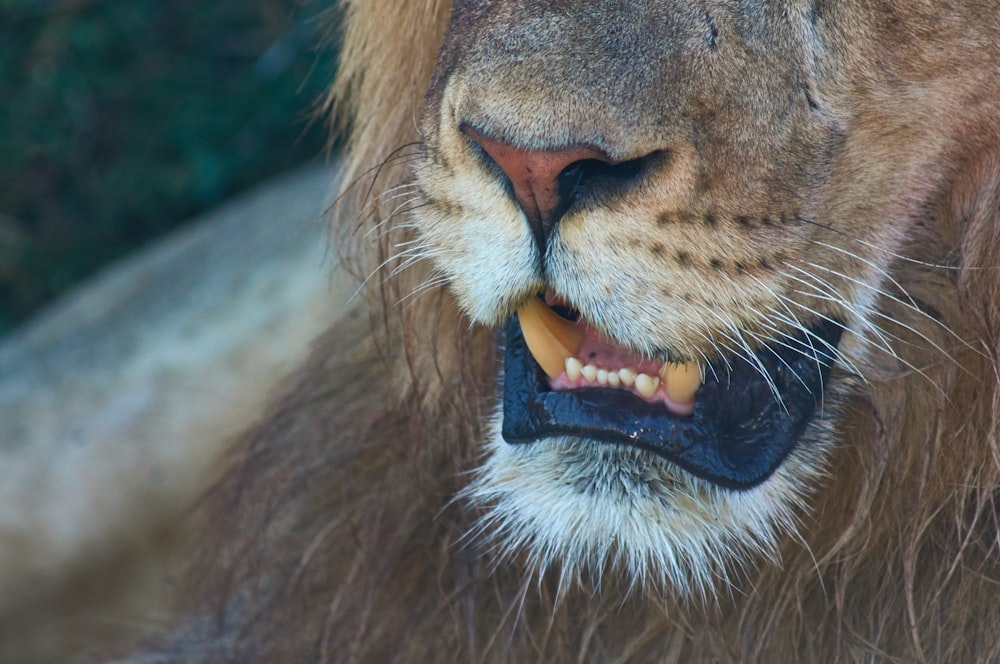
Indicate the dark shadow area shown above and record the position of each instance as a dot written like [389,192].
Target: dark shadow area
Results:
[121,119]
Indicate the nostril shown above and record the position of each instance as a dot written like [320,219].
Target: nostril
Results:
[571,176]
[602,178]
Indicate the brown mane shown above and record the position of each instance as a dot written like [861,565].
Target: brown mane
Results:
[336,536]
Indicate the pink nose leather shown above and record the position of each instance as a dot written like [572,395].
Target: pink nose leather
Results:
[534,175]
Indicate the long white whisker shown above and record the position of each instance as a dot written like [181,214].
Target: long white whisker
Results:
[735,335]
[792,320]
[823,290]
[896,321]
[910,303]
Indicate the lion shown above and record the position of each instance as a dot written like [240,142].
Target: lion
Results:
[679,343]
[116,402]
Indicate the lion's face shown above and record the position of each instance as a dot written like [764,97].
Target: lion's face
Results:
[687,185]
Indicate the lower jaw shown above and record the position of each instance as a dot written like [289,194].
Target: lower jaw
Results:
[667,527]
[738,434]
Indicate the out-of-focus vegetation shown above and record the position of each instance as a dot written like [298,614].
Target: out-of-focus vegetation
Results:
[121,118]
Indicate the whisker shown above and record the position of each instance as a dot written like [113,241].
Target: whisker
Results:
[735,335]
[823,290]
[893,254]
[793,321]
[910,328]
[865,321]
[394,157]
[911,304]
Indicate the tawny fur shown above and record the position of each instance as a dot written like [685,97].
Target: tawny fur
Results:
[337,534]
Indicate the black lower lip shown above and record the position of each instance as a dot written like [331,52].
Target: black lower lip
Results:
[738,434]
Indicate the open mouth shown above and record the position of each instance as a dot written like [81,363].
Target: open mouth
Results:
[732,422]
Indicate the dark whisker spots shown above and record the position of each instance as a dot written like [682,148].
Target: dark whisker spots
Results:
[710,220]
[665,218]
[716,264]
[683,258]
[447,208]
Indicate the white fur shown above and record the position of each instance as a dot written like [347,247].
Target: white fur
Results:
[593,507]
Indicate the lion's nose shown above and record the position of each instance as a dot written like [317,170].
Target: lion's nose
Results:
[545,182]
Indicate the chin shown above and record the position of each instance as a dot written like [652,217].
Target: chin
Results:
[588,508]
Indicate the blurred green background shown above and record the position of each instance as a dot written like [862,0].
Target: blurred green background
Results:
[119,119]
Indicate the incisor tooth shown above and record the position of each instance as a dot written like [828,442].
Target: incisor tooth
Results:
[646,385]
[573,367]
[614,380]
[602,376]
[550,337]
[627,376]
[589,372]
[681,381]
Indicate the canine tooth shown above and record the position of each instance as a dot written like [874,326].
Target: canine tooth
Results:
[627,376]
[550,337]
[589,372]
[573,367]
[681,381]
[646,385]
[602,376]
[614,380]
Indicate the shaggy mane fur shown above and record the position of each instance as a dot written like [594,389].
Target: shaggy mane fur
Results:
[336,535]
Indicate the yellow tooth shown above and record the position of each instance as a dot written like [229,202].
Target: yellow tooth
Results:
[550,337]
[681,381]
[646,385]
[589,372]
[573,367]
[627,376]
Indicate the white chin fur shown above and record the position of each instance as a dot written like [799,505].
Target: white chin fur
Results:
[591,508]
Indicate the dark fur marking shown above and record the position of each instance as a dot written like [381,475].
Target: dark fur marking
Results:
[448,208]
[713,33]
[810,100]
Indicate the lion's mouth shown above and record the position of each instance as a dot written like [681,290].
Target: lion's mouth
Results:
[732,422]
